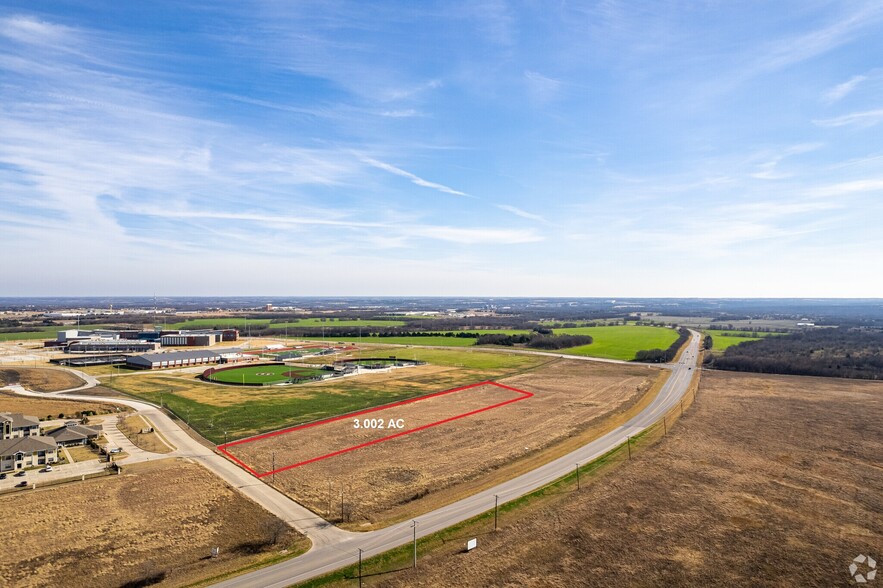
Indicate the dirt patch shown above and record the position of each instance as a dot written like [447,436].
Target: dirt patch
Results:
[52,407]
[767,481]
[124,529]
[395,479]
[40,379]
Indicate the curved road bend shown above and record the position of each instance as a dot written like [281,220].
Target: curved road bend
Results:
[333,548]
[333,555]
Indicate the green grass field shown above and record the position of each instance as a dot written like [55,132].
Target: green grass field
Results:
[220,322]
[721,340]
[433,341]
[264,374]
[621,342]
[332,322]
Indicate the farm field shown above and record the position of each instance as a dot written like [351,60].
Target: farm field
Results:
[721,340]
[431,341]
[116,530]
[40,379]
[411,474]
[335,322]
[742,492]
[243,411]
[620,342]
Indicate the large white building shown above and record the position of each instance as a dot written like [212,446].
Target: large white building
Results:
[152,361]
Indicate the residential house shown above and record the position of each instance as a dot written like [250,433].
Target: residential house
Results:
[25,452]
[74,434]
[15,425]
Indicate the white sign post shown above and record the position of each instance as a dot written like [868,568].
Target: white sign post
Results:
[471,544]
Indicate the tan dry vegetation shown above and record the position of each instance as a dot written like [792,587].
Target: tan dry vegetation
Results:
[83,453]
[41,407]
[340,434]
[132,427]
[157,518]
[416,473]
[770,481]
[40,379]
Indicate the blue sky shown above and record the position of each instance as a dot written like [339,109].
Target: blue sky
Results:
[453,148]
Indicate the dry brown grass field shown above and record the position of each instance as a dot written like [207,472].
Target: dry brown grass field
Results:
[42,407]
[132,427]
[157,520]
[415,473]
[337,435]
[767,481]
[40,379]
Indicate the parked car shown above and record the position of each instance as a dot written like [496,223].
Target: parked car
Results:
[21,484]
[20,473]
[2,476]
[47,468]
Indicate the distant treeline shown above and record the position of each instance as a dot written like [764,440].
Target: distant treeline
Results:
[837,352]
[664,356]
[535,340]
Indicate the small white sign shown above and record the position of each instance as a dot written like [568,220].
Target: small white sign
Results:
[471,544]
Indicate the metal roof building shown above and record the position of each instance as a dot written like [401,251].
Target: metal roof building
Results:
[152,361]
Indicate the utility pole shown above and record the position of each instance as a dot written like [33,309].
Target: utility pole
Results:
[577,476]
[496,510]
[341,502]
[414,526]
[628,442]
[274,467]
[225,437]
[360,567]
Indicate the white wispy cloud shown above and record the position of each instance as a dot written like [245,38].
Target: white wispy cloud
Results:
[840,91]
[866,118]
[415,179]
[522,213]
[542,88]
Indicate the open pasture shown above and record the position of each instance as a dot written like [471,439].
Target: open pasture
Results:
[619,342]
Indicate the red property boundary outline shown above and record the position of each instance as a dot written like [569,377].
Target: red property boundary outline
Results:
[223,448]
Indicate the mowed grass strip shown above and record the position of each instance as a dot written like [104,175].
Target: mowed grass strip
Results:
[619,342]
[265,374]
